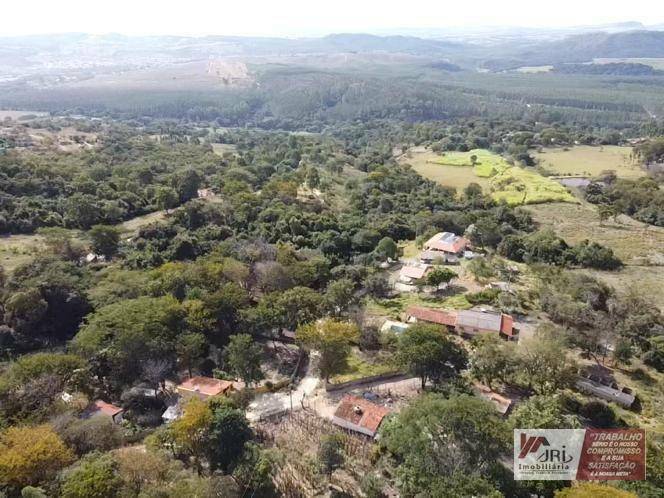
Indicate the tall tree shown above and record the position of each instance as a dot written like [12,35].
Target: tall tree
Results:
[426,351]
[332,339]
[31,455]
[105,239]
[243,357]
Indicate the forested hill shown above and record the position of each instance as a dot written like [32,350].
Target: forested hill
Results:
[582,48]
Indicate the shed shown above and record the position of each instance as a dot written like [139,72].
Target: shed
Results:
[359,415]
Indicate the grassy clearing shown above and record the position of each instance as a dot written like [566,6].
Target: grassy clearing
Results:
[641,247]
[409,249]
[394,307]
[512,184]
[16,250]
[634,242]
[487,163]
[586,160]
[221,149]
[647,281]
[362,365]
[134,224]
[427,164]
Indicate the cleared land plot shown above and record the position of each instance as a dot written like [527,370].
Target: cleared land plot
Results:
[16,250]
[505,182]
[641,247]
[633,242]
[221,149]
[586,160]
[647,281]
[361,365]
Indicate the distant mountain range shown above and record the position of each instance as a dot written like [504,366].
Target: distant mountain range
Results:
[496,51]
[583,48]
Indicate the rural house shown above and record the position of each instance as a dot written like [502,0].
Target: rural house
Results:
[102,409]
[444,245]
[430,315]
[359,415]
[466,322]
[410,274]
[472,322]
[204,387]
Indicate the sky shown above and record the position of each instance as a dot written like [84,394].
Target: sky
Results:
[306,17]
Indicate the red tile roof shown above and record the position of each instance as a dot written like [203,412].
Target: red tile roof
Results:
[432,315]
[507,325]
[360,412]
[104,408]
[502,403]
[206,385]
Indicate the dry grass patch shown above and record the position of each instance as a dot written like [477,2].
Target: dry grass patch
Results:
[585,160]
[634,242]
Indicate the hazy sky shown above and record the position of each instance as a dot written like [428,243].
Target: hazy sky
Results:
[306,17]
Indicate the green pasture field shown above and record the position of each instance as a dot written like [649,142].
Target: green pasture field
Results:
[512,184]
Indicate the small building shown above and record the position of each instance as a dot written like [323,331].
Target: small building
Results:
[173,412]
[359,415]
[438,257]
[410,274]
[430,315]
[502,403]
[474,322]
[447,243]
[607,392]
[204,387]
[394,327]
[466,322]
[100,408]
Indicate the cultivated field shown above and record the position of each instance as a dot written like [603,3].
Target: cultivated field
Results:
[586,160]
[512,184]
[426,164]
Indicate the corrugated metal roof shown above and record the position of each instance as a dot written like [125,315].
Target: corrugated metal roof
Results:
[479,320]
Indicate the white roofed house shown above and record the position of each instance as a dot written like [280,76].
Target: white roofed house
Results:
[410,274]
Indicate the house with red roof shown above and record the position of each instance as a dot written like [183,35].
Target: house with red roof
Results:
[431,315]
[502,403]
[101,408]
[466,322]
[204,387]
[359,415]
[446,243]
